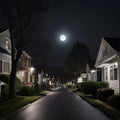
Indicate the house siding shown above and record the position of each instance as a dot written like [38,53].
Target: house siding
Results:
[5,57]
[107,60]
[113,84]
[105,52]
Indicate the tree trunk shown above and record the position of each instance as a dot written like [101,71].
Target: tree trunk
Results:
[12,91]
[36,86]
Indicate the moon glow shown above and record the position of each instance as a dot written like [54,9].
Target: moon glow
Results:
[62,38]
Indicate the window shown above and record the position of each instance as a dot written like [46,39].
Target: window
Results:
[6,67]
[0,66]
[113,72]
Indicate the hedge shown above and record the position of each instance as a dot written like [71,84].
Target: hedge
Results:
[104,93]
[26,91]
[91,87]
[114,101]
[5,88]
[6,77]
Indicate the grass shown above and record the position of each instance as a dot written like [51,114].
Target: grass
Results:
[7,106]
[109,111]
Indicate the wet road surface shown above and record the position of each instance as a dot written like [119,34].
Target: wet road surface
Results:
[61,104]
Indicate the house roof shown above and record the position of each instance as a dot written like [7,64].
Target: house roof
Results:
[114,43]
[26,54]
[4,51]
[2,29]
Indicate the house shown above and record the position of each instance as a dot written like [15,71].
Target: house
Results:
[25,70]
[93,74]
[5,52]
[82,78]
[108,60]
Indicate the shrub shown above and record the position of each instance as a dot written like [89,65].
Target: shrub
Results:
[5,78]
[95,86]
[69,86]
[114,101]
[26,91]
[44,87]
[86,87]
[91,87]
[104,93]
[79,87]
[5,91]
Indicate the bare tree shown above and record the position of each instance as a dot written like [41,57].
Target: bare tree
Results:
[18,14]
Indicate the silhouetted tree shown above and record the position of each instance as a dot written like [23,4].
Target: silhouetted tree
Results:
[77,58]
[18,14]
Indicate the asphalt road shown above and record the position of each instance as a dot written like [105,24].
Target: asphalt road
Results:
[61,104]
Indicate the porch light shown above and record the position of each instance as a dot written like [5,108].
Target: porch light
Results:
[32,70]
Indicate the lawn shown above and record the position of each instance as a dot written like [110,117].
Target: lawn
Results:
[7,106]
[109,111]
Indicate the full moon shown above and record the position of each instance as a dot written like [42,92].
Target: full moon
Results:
[62,37]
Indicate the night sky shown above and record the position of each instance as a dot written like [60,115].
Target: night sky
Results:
[80,20]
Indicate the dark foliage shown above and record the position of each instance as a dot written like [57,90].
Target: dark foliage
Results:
[44,87]
[104,93]
[5,91]
[26,91]
[77,58]
[114,101]
[6,77]
[91,87]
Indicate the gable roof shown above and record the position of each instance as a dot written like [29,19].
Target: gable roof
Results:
[114,43]
[3,29]
[107,50]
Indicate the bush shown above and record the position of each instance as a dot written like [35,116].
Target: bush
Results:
[69,86]
[95,86]
[78,86]
[5,91]
[86,87]
[104,93]
[44,87]
[114,101]
[26,91]
[5,78]
[91,87]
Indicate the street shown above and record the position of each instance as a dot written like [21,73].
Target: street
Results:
[61,104]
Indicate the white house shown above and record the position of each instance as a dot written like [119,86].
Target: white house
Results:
[93,74]
[108,60]
[5,52]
